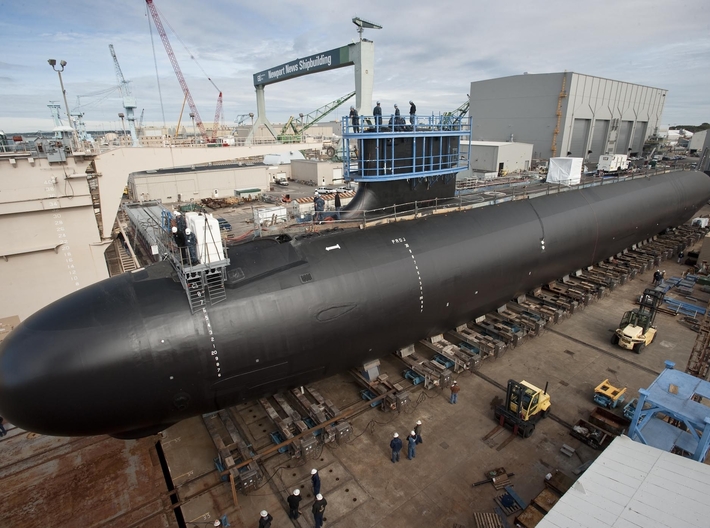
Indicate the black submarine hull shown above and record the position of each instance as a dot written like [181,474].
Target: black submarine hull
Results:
[126,357]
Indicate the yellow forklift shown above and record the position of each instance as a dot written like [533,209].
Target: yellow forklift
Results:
[524,405]
[636,329]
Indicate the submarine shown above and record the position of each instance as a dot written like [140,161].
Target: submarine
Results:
[126,357]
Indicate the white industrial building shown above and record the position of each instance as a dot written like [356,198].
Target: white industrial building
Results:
[566,114]
[700,145]
[185,184]
[500,156]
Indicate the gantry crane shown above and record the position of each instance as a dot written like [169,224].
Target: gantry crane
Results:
[176,67]
[129,102]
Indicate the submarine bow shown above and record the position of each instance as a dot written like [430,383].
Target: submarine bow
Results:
[126,357]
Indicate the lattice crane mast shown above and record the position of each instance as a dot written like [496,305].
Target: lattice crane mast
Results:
[129,102]
[176,67]
[217,112]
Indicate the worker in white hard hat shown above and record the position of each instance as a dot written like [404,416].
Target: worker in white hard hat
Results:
[396,446]
[315,480]
[454,392]
[418,430]
[318,509]
[294,501]
[265,519]
[217,522]
[411,445]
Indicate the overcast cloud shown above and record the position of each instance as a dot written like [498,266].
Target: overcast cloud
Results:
[429,51]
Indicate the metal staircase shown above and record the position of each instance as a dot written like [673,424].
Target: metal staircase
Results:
[127,262]
[214,280]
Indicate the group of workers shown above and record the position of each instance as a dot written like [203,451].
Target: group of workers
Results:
[294,503]
[184,239]
[414,438]
[319,206]
[395,120]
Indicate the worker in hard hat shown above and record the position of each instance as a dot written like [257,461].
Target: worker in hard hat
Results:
[265,519]
[396,447]
[454,392]
[315,480]
[411,445]
[418,431]
[318,510]
[377,112]
[191,243]
[294,501]
[354,119]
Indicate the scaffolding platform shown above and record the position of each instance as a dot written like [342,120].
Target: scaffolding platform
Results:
[672,414]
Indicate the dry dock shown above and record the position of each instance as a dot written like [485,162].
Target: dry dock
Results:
[100,481]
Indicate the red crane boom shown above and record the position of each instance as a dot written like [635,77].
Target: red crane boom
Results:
[176,67]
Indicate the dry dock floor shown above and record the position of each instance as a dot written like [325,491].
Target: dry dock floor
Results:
[100,481]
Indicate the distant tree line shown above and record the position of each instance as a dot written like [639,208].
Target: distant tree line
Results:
[691,128]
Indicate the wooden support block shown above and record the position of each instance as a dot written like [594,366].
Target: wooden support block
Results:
[567,450]
[529,518]
[546,499]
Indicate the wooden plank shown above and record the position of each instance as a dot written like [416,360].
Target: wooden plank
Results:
[487,520]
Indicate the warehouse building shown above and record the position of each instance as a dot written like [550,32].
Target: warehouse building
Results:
[184,184]
[500,157]
[566,114]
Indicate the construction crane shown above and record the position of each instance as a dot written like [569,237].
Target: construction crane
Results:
[129,102]
[140,120]
[176,67]
[308,120]
[217,115]
[453,118]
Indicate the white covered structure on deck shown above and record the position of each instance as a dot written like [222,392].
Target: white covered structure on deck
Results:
[632,485]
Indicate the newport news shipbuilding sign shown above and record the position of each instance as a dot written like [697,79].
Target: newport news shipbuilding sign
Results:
[328,60]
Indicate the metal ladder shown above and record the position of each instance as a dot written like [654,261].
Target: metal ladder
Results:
[195,289]
[214,280]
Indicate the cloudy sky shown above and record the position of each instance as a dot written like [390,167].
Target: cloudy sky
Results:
[428,50]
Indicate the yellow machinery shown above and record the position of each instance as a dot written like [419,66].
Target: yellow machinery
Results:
[606,395]
[524,405]
[636,329]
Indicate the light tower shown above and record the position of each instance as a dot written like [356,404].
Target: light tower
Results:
[362,25]
[62,63]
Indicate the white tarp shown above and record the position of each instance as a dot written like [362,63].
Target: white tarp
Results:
[567,171]
[209,238]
